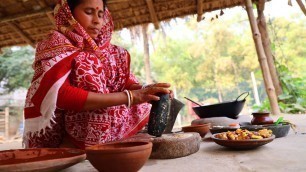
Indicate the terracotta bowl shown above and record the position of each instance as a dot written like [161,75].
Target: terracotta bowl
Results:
[202,129]
[119,156]
[242,144]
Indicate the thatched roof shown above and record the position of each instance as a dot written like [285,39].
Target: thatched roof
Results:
[29,21]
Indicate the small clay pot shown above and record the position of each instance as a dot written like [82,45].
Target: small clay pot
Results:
[202,129]
[119,156]
[260,118]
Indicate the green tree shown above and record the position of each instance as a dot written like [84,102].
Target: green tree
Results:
[15,68]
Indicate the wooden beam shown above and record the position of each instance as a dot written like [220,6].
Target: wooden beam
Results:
[116,1]
[21,33]
[152,13]
[262,59]
[26,14]
[302,6]
[50,15]
[199,10]
[42,3]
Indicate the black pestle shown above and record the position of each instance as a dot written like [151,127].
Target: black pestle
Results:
[159,115]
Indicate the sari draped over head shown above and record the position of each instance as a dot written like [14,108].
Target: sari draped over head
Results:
[94,65]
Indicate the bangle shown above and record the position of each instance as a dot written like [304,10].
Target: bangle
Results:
[129,98]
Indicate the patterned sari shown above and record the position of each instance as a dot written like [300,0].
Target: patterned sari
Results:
[93,65]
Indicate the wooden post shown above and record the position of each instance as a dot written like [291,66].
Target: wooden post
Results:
[262,60]
[146,58]
[302,6]
[199,10]
[152,12]
[7,115]
[262,26]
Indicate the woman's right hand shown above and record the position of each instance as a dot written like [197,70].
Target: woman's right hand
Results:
[149,93]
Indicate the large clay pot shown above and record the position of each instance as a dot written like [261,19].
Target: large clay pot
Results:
[260,118]
[159,115]
[119,156]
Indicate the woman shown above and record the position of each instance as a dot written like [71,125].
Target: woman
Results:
[82,91]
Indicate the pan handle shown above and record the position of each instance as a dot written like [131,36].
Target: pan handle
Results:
[193,101]
[243,94]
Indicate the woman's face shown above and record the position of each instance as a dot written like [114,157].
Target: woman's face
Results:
[89,13]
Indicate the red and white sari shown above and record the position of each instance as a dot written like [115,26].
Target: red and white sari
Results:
[93,65]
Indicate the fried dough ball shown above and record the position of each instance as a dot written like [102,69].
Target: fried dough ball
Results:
[265,133]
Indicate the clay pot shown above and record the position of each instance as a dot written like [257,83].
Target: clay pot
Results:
[40,159]
[260,118]
[202,129]
[119,156]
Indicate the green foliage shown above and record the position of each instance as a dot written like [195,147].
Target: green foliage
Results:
[293,99]
[15,68]
[169,64]
[289,47]
[264,106]
[289,42]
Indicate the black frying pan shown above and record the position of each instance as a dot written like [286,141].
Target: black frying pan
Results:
[229,109]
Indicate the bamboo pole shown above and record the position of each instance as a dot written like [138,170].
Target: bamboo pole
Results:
[262,26]
[149,79]
[262,60]
[302,6]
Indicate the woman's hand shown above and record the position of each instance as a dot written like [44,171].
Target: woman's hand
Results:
[149,93]
[170,94]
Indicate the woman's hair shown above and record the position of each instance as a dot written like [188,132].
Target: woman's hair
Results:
[73,3]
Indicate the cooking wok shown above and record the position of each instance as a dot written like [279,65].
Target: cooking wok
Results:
[230,109]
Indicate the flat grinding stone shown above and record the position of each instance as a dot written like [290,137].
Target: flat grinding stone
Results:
[175,145]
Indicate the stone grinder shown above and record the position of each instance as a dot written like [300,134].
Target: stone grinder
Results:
[167,145]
